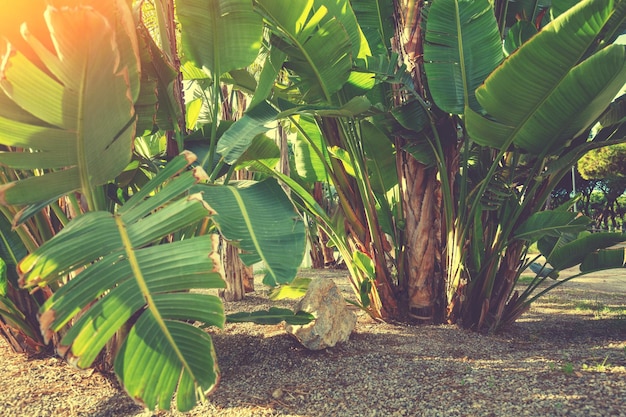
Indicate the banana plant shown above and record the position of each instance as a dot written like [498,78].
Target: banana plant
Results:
[125,273]
[537,137]
[133,269]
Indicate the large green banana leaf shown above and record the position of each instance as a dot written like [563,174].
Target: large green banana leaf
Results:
[219,35]
[564,95]
[317,45]
[376,20]
[343,12]
[121,273]
[582,249]
[76,119]
[259,218]
[462,47]
[310,155]
[551,223]
[256,120]
[156,104]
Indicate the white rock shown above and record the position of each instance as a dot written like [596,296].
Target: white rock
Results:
[333,321]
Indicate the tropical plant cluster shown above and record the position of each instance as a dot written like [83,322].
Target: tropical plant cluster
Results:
[417,142]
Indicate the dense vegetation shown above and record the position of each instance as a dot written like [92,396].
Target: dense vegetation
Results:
[418,140]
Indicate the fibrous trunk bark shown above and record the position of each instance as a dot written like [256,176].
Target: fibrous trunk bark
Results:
[421,192]
[424,279]
[239,277]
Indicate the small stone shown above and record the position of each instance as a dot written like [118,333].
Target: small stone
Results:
[278,393]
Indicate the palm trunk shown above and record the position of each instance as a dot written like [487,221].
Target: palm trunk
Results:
[424,279]
[239,277]
[421,193]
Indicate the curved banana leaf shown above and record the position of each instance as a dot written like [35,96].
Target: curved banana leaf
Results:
[271,68]
[551,223]
[317,45]
[308,150]
[219,35]
[375,17]
[259,218]
[83,79]
[462,47]
[564,96]
[604,259]
[255,121]
[121,271]
[236,140]
[275,315]
[517,35]
[343,12]
[576,251]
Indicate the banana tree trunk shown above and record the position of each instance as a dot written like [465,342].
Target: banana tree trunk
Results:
[421,192]
[424,278]
[239,277]
[322,255]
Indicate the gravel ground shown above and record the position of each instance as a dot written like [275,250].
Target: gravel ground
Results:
[565,357]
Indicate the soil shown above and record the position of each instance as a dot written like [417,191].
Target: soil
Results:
[566,356]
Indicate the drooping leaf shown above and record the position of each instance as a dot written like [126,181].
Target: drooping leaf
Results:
[238,138]
[121,270]
[462,47]
[564,97]
[219,35]
[257,120]
[263,150]
[616,112]
[604,259]
[316,43]
[551,223]
[296,289]
[259,219]
[271,68]
[574,252]
[275,315]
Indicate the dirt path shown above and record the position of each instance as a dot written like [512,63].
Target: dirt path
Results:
[565,357]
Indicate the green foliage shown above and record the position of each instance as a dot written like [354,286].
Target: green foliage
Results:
[604,163]
[462,47]
[296,289]
[569,93]
[132,283]
[275,315]
[219,36]
[274,237]
[83,79]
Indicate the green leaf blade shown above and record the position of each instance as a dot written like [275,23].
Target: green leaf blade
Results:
[259,219]
[461,48]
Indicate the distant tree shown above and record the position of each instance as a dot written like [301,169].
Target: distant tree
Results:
[608,167]
[563,192]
